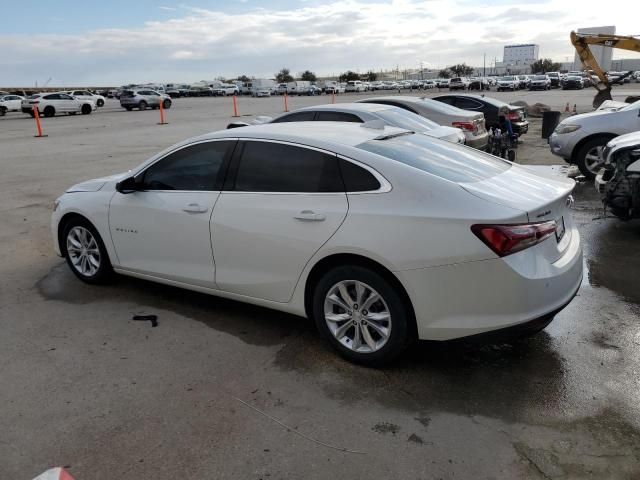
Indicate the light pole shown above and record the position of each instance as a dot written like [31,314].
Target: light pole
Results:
[484,64]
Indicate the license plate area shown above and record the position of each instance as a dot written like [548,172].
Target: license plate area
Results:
[560,229]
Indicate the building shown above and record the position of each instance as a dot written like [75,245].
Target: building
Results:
[517,55]
[602,55]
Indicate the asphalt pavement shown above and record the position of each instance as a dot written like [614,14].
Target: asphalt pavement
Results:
[220,389]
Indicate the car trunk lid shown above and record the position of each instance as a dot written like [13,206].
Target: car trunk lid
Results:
[542,197]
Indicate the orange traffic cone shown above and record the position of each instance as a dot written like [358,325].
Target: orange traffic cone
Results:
[57,473]
[566,108]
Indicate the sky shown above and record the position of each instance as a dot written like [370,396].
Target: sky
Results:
[118,42]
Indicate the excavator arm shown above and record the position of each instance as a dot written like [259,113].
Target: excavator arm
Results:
[581,42]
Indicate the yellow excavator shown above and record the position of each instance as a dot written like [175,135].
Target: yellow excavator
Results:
[581,42]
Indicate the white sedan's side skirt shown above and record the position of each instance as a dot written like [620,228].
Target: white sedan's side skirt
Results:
[284,307]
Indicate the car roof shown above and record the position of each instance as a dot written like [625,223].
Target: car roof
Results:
[492,101]
[345,107]
[309,133]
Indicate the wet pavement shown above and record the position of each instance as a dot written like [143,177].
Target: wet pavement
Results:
[221,389]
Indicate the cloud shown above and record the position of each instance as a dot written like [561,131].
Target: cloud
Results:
[170,9]
[328,38]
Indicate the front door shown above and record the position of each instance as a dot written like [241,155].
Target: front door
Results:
[163,229]
[280,204]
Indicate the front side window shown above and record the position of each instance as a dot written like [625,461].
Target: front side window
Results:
[193,168]
[276,167]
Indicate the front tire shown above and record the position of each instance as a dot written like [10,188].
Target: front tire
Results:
[166,104]
[362,315]
[589,159]
[85,252]
[142,105]
[100,103]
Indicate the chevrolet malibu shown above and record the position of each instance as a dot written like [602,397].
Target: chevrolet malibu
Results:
[379,235]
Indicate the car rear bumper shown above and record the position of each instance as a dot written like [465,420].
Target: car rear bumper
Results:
[477,141]
[462,300]
[520,127]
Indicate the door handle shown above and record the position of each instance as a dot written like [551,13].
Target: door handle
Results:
[310,216]
[194,208]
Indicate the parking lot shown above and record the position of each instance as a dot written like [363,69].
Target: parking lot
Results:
[221,389]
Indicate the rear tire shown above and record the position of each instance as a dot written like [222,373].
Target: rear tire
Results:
[166,104]
[587,157]
[85,252]
[372,332]
[86,109]
[128,109]
[49,111]
[100,103]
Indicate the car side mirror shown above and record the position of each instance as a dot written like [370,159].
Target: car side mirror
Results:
[128,185]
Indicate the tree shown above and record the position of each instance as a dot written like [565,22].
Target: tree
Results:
[444,73]
[371,76]
[284,76]
[544,65]
[461,70]
[308,75]
[349,76]
[243,78]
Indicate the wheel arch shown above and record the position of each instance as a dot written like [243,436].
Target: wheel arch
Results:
[588,138]
[339,259]
[62,224]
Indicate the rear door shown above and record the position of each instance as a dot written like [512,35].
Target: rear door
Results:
[280,204]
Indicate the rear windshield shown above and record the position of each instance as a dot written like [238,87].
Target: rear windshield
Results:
[439,158]
[408,120]
[127,93]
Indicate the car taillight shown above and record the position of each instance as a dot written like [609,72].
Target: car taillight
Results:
[507,239]
[468,126]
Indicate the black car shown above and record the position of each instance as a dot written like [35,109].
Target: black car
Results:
[572,83]
[490,107]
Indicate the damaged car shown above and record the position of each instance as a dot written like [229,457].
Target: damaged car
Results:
[619,180]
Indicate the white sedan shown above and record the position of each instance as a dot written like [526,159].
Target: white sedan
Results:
[381,237]
[87,95]
[10,103]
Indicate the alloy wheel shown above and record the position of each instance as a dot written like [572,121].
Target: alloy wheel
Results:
[357,316]
[593,159]
[83,251]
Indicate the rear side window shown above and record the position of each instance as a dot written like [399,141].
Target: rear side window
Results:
[295,117]
[468,104]
[447,100]
[193,168]
[337,117]
[276,167]
[439,158]
[356,178]
[127,93]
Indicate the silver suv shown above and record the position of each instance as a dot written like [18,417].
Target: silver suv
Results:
[143,99]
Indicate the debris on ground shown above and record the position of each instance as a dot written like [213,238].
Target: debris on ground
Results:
[147,318]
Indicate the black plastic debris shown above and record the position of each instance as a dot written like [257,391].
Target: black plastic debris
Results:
[147,318]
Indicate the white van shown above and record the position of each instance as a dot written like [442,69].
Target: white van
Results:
[298,87]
